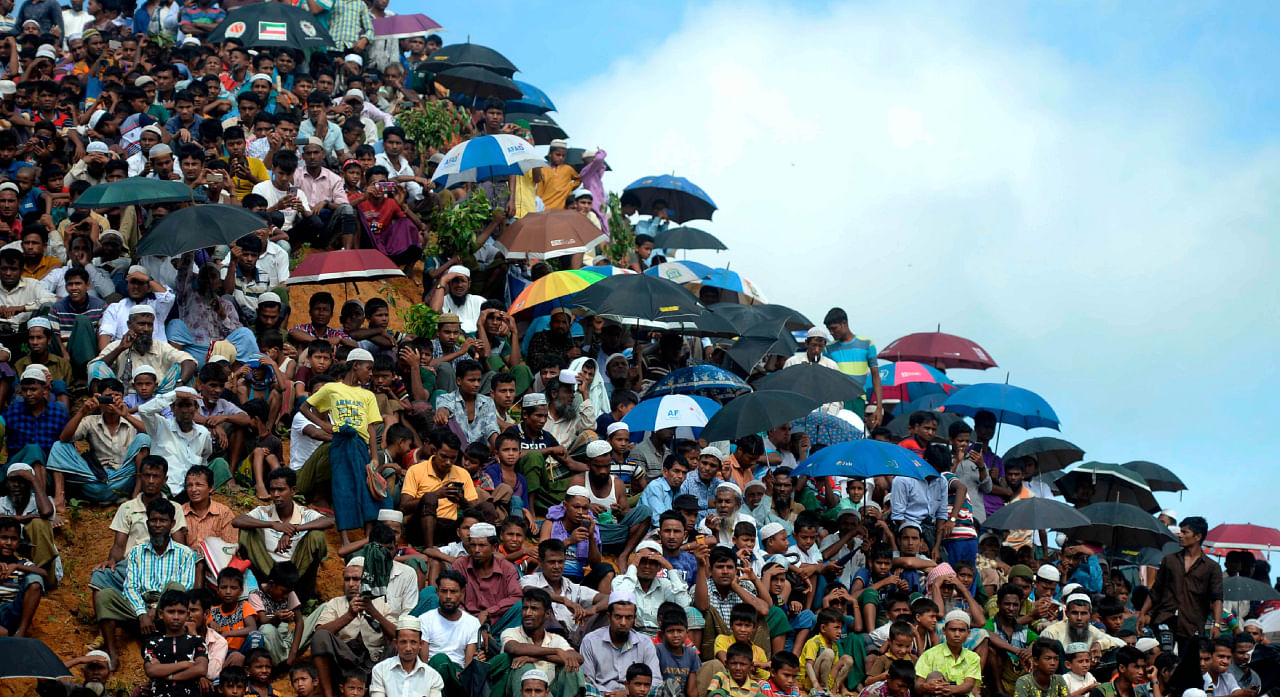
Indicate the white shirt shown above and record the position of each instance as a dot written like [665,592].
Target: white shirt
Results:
[402,590]
[449,637]
[468,311]
[181,449]
[115,319]
[569,590]
[725,538]
[137,161]
[29,293]
[100,284]
[391,680]
[813,556]
[301,446]
[301,516]
[267,189]
[74,22]
[402,168]
[272,271]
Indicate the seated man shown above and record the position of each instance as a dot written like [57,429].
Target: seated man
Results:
[155,566]
[718,588]
[539,650]
[27,503]
[39,340]
[1077,626]
[493,585]
[435,490]
[450,632]
[117,440]
[77,316]
[609,651]
[33,423]
[143,343]
[143,291]
[621,526]
[209,524]
[573,605]
[651,590]
[284,531]
[181,441]
[351,631]
[571,417]
[659,493]
[130,525]
[22,589]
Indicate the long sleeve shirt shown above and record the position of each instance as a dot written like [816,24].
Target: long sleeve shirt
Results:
[29,294]
[494,592]
[181,449]
[148,572]
[657,495]
[916,501]
[604,665]
[115,320]
[662,589]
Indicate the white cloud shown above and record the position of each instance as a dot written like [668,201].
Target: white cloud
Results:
[904,164]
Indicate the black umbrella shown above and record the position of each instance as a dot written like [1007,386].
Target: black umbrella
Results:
[1244,588]
[543,127]
[1158,477]
[573,158]
[1035,514]
[899,425]
[197,227]
[687,238]
[749,318]
[1109,482]
[29,658]
[746,351]
[272,24]
[475,81]
[813,380]
[1049,453]
[649,301]
[454,55]
[757,412]
[1148,556]
[1121,526]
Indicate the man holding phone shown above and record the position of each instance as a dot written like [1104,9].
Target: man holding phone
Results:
[436,490]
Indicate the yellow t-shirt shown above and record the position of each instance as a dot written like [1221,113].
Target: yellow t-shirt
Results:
[812,648]
[422,478]
[525,194]
[757,654]
[244,187]
[557,183]
[347,406]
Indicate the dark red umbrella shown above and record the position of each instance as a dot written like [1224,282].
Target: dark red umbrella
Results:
[938,350]
[344,266]
[1231,536]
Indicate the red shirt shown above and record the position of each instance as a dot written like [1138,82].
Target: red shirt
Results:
[384,214]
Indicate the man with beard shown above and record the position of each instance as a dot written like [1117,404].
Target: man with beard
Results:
[92,168]
[620,524]
[450,296]
[143,344]
[555,340]
[39,338]
[450,632]
[1077,628]
[571,416]
[141,290]
[150,568]
[179,439]
[784,504]
[542,650]
[26,502]
[328,197]
[270,317]
[351,630]
[19,297]
[608,652]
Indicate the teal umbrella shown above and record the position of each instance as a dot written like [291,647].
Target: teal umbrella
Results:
[197,227]
[135,191]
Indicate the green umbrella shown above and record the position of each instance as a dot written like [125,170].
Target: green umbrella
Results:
[197,227]
[135,191]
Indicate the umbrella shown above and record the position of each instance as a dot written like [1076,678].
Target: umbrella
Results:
[550,234]
[725,279]
[543,127]
[1121,526]
[532,100]
[455,55]
[646,301]
[1245,588]
[826,429]
[813,380]
[747,317]
[939,350]
[1110,482]
[197,227]
[29,658]
[679,271]
[135,191]
[929,402]
[864,458]
[274,25]
[403,26]
[689,201]
[475,81]
[344,265]
[1150,556]
[553,286]
[687,238]
[898,426]
[670,411]
[1036,514]
[1158,477]
[1049,453]
[923,379]
[1243,536]
[703,380]
[757,412]
[573,158]
[487,157]
[609,269]
[773,340]
[1011,405]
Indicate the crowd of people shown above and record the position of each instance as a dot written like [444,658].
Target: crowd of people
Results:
[501,530]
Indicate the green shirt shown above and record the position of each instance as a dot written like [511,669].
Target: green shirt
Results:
[1028,687]
[954,670]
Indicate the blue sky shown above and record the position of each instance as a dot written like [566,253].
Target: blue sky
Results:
[1087,190]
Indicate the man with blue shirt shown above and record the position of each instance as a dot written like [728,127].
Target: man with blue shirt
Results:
[856,357]
[706,479]
[660,492]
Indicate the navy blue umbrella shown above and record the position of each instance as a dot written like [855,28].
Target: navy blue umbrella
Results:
[864,458]
[703,380]
[687,199]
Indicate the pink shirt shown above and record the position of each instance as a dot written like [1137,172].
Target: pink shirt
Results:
[326,187]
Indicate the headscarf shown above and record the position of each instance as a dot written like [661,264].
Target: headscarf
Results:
[599,395]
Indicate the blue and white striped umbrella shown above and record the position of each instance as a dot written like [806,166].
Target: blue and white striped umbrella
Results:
[704,380]
[673,410]
[680,271]
[487,157]
[731,280]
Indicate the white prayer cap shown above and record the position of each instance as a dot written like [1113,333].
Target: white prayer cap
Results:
[589,154]
[596,448]
[354,58]
[408,623]
[622,597]
[1079,598]
[559,143]
[353,92]
[713,451]
[731,487]
[390,515]
[1071,588]
[578,490]
[42,322]
[617,426]
[533,399]
[159,149]
[99,656]
[582,191]
[47,51]
[771,529]
[20,468]
[269,297]
[359,355]
[1145,644]
[459,268]
[218,358]
[8,87]
[956,616]
[535,674]
[142,310]
[816,333]
[186,391]
[144,80]
[436,158]
[482,531]
[10,186]
[259,76]
[649,544]
[1194,692]
[191,41]
[110,233]
[145,369]
[94,119]
[1049,572]
[754,484]
[138,268]
[568,377]
[357,560]
[35,371]
[1252,623]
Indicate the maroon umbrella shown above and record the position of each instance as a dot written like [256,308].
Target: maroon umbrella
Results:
[938,350]
[403,26]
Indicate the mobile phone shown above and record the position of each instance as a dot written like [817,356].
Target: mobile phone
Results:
[103,399]
[293,191]
[114,45]
[213,177]
[386,187]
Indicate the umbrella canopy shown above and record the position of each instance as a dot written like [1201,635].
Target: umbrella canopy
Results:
[929,402]
[679,271]
[543,127]
[1245,588]
[749,317]
[757,412]
[703,380]
[475,81]
[29,658]
[553,286]
[905,380]
[939,350]
[1049,453]
[342,266]
[274,25]
[670,411]
[609,269]
[773,340]
[826,429]
[899,425]
[1121,526]
[646,301]
[1158,477]
[864,458]
[403,26]
[1109,482]
[688,200]
[197,227]
[455,55]
[1036,514]
[573,158]
[724,279]
[532,100]
[687,238]
[135,191]
[1243,536]
[550,234]
[486,157]
[1011,405]
[813,380]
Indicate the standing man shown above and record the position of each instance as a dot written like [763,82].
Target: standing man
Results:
[815,347]
[1187,591]
[855,356]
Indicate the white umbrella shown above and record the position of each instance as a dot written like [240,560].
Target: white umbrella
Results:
[485,158]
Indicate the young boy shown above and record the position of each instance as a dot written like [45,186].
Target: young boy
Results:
[258,667]
[144,388]
[743,622]
[233,682]
[318,361]
[173,659]
[926,613]
[679,663]
[226,422]
[901,680]
[1078,678]
[264,449]
[736,680]
[276,607]
[353,685]
[898,648]
[199,602]
[872,585]
[515,547]
[1043,680]
[744,544]
[234,618]
[784,670]
[320,308]
[639,678]
[821,666]
[305,680]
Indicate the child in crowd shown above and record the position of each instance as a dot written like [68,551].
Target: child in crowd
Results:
[353,685]
[784,671]
[744,543]
[172,658]
[900,683]
[304,679]
[443,557]
[318,361]
[898,648]
[515,546]
[639,678]
[1043,680]
[390,406]
[926,613]
[743,622]
[233,682]
[199,602]
[679,662]
[872,585]
[258,666]
[234,618]
[737,679]
[821,665]
[277,608]
[261,378]
[1078,678]
[144,388]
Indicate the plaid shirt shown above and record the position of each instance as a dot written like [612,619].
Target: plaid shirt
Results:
[144,566]
[25,428]
[350,21]
[725,603]
[329,332]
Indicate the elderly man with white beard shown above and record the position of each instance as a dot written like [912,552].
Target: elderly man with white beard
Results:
[571,416]
[138,347]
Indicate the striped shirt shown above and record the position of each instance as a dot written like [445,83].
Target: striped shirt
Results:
[148,572]
[856,357]
[350,21]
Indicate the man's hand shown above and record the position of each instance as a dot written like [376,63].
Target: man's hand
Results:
[146,624]
[570,660]
[442,417]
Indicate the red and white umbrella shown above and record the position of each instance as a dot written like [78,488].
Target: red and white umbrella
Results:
[344,266]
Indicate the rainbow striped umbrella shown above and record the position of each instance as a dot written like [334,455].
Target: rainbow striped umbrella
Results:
[553,286]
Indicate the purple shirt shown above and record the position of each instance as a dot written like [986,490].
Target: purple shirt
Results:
[576,554]
[995,469]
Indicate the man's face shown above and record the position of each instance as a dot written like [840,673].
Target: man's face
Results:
[675,475]
[393,145]
[909,540]
[1186,537]
[1045,589]
[184,412]
[192,167]
[450,594]
[262,129]
[280,491]
[622,617]
[351,576]
[725,503]
[407,645]
[956,633]
[552,567]
[159,525]
[1221,660]
[234,146]
[313,156]
[8,203]
[1023,583]
[1241,652]
[162,164]
[142,325]
[925,432]
[1134,672]
[449,334]
[1013,476]
[493,120]
[671,535]
[709,466]
[444,459]
[723,572]
[9,540]
[1010,605]
[535,417]
[34,392]
[1078,616]
[532,615]
[38,340]
[289,132]
[281,178]
[782,488]
[459,285]
[480,549]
